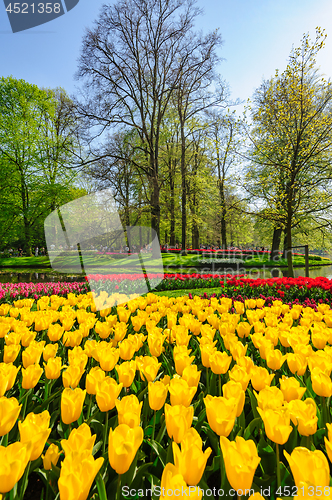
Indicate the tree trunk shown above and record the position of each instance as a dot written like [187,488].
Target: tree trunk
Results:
[172,206]
[195,228]
[27,241]
[155,208]
[275,244]
[289,234]
[284,251]
[223,217]
[184,190]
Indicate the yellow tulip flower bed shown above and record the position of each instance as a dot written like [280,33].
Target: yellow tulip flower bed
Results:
[162,397]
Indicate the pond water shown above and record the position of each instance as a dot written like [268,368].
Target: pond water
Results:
[315,272]
[36,276]
[46,276]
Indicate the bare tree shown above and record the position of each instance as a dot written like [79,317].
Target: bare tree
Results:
[224,133]
[131,62]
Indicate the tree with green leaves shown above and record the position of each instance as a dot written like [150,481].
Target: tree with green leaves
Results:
[291,142]
[33,158]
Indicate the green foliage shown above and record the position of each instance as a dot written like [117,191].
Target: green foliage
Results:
[36,144]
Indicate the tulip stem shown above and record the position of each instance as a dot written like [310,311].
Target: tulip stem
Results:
[278,466]
[25,403]
[118,488]
[153,431]
[154,425]
[105,432]
[308,442]
[325,410]
[219,384]
[4,440]
[89,408]
[24,481]
[207,380]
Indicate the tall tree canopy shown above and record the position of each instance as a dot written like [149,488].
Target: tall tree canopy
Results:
[133,60]
[292,141]
[36,144]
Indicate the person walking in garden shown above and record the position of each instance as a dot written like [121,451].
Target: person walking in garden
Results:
[36,251]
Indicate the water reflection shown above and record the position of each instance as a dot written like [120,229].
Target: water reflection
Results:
[314,272]
[37,277]
[40,276]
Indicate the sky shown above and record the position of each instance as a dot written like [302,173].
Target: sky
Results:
[258,36]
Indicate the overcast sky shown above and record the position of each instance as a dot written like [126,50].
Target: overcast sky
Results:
[258,36]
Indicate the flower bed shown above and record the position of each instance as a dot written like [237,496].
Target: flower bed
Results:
[14,291]
[288,289]
[188,394]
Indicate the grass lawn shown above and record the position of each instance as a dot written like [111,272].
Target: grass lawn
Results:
[41,262]
[105,263]
[297,261]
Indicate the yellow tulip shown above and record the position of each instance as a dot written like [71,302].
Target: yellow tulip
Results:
[157,395]
[72,404]
[95,376]
[55,332]
[191,375]
[79,439]
[126,372]
[155,343]
[275,359]
[309,467]
[260,378]
[148,367]
[239,374]
[126,350]
[234,390]
[238,350]
[219,362]
[9,412]
[241,461]
[31,376]
[178,421]
[291,389]
[239,307]
[11,352]
[270,398]
[191,460]
[51,456]
[206,351]
[78,471]
[108,357]
[32,354]
[182,361]
[321,383]
[35,428]
[303,414]
[297,363]
[173,485]
[221,414]
[277,424]
[71,376]
[123,444]
[129,410]
[103,329]
[8,373]
[13,460]
[181,393]
[107,393]
[50,351]
[243,329]
[53,368]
